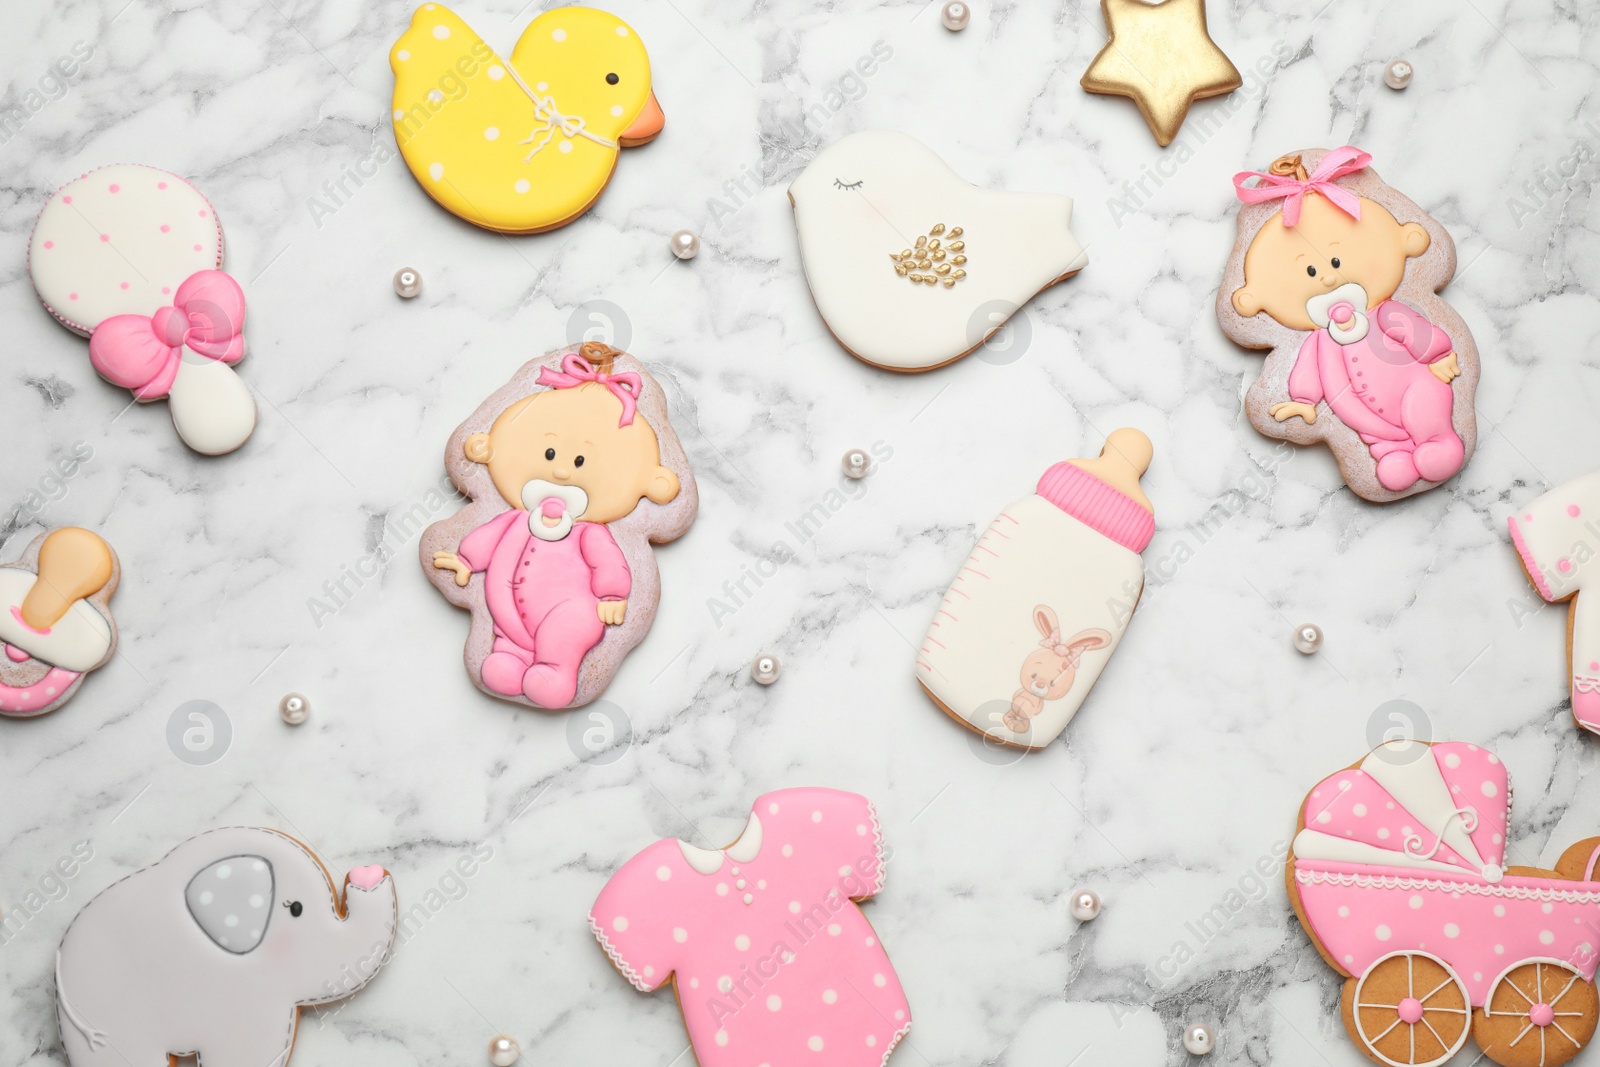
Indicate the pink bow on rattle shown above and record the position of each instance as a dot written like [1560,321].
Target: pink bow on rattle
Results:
[143,353]
[575,371]
[1336,164]
[1071,653]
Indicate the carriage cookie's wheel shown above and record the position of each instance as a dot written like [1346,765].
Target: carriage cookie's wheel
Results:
[1539,1013]
[1409,1010]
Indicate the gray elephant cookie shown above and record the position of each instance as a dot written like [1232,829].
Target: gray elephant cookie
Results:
[213,951]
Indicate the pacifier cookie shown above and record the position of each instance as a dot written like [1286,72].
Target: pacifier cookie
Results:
[911,266]
[55,619]
[1337,274]
[574,471]
[130,257]
[526,144]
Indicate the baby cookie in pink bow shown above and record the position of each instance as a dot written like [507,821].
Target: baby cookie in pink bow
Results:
[127,255]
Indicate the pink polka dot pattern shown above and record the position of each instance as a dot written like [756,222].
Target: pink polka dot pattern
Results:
[758,981]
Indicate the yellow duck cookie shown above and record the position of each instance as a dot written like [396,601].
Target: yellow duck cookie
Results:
[527,145]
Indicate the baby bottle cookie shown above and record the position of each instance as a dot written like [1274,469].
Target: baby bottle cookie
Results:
[1337,273]
[128,256]
[55,619]
[1037,609]
[574,470]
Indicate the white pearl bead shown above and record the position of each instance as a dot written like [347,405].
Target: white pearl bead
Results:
[955,15]
[504,1050]
[855,463]
[1085,905]
[295,709]
[685,245]
[407,283]
[1397,75]
[1307,638]
[766,668]
[1198,1039]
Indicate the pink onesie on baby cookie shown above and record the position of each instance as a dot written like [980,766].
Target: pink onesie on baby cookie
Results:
[772,959]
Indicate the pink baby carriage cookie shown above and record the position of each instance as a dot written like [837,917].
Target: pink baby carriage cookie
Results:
[764,942]
[1397,874]
[130,256]
[1338,274]
[574,471]
[1555,537]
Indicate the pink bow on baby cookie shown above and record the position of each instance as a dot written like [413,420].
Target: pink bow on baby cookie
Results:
[143,353]
[575,371]
[1292,191]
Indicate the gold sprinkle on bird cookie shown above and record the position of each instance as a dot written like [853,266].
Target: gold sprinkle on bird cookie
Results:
[929,257]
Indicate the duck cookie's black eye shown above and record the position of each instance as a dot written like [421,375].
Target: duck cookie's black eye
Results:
[1335,262]
[612,79]
[837,184]
[578,462]
[549,453]
[295,907]
[1311,271]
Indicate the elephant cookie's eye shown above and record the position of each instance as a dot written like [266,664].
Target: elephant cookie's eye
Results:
[838,184]
[295,907]
[1311,271]
[578,462]
[549,453]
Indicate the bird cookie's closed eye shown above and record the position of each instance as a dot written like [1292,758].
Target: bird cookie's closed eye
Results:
[838,184]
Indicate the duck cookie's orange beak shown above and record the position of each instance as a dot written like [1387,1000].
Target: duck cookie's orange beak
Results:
[646,126]
[73,564]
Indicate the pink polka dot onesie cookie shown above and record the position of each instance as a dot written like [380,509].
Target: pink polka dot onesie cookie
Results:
[1398,874]
[772,960]
[130,257]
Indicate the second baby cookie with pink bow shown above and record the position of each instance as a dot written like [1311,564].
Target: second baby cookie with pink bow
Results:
[1337,273]
[574,471]
[129,257]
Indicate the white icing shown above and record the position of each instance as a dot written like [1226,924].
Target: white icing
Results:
[1044,556]
[704,860]
[1409,772]
[1315,845]
[1017,244]
[748,847]
[79,641]
[212,408]
[81,277]
[139,969]
[709,861]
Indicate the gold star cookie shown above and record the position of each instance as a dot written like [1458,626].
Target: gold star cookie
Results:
[1161,56]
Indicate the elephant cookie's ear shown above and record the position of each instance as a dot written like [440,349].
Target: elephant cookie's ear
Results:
[231,900]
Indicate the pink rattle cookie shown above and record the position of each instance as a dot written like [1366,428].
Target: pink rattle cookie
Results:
[574,471]
[1337,273]
[772,960]
[55,619]
[129,257]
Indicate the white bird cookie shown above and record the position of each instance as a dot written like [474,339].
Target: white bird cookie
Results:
[911,266]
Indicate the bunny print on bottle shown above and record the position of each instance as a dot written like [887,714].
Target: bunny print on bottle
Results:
[129,257]
[213,951]
[1050,670]
[1051,584]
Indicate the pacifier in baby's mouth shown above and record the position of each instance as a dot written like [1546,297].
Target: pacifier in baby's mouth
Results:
[1342,312]
[552,508]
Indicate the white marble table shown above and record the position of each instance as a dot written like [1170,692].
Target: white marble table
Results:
[1185,768]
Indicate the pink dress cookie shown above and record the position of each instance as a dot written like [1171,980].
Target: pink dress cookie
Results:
[772,960]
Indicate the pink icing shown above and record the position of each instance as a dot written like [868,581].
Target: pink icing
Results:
[1573,510]
[553,507]
[16,655]
[1342,312]
[365,877]
[16,613]
[1535,571]
[772,960]
[142,353]
[35,698]
[1410,1010]
[1541,1014]
[1099,506]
